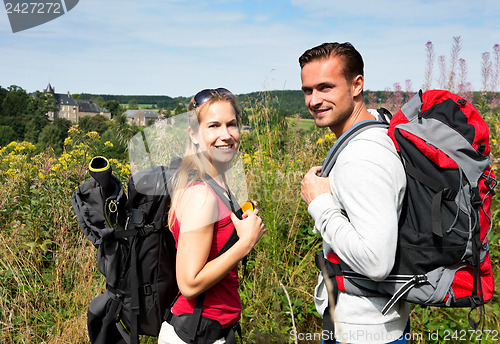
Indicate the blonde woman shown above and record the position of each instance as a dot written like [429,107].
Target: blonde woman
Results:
[202,221]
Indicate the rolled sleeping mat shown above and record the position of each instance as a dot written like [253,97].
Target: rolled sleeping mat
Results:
[101,171]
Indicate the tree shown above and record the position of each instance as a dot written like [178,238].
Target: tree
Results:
[63,126]
[114,107]
[39,104]
[34,127]
[121,120]
[15,102]
[3,94]
[36,116]
[51,137]
[97,123]
[7,135]
[132,104]
[98,100]
[54,134]
[14,106]
[180,108]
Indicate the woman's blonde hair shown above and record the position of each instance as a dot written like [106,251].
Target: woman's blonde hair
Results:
[195,164]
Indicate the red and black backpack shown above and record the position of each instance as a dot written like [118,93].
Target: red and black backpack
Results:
[442,256]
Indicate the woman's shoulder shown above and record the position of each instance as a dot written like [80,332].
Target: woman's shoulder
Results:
[197,198]
[197,204]
[198,195]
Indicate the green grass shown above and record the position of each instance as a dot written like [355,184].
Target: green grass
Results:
[140,106]
[305,124]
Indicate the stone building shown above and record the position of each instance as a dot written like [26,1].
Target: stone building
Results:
[141,117]
[67,107]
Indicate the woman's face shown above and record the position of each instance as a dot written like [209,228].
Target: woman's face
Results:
[218,132]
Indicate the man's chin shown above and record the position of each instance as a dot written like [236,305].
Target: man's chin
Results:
[321,122]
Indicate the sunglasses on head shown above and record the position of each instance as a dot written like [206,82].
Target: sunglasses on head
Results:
[204,95]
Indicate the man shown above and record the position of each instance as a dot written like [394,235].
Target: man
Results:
[356,209]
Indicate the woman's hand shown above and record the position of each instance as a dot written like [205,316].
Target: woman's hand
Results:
[254,208]
[250,229]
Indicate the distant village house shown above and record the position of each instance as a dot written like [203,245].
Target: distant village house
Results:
[141,117]
[65,106]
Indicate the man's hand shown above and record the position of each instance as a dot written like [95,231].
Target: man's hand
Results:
[312,186]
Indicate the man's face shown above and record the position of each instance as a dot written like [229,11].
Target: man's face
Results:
[328,95]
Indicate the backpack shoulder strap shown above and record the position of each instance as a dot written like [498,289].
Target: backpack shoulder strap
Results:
[227,198]
[343,140]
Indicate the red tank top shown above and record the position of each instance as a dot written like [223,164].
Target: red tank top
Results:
[222,301]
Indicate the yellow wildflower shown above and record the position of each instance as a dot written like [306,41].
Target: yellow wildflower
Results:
[13,144]
[75,129]
[94,135]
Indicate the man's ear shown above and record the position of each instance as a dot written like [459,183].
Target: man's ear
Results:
[192,136]
[357,85]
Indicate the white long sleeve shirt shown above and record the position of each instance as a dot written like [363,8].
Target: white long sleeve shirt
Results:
[368,182]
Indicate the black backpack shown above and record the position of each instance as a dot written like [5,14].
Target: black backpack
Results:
[135,250]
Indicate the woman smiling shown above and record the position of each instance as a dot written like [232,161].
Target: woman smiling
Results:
[202,219]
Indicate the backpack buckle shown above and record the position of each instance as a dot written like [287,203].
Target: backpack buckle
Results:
[476,198]
[137,217]
[476,300]
[147,229]
[147,289]
[449,194]
[491,183]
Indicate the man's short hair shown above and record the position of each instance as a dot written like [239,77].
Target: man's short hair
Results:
[353,62]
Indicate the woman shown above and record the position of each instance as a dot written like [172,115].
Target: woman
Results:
[202,223]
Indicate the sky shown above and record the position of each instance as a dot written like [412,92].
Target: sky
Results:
[178,47]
